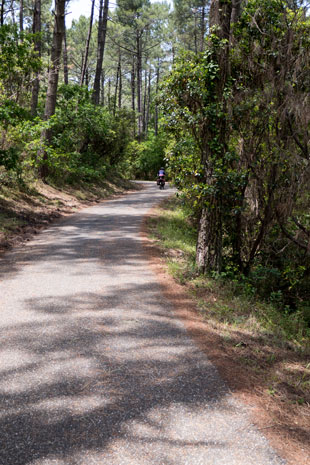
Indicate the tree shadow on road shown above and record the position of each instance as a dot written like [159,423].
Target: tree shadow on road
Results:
[85,376]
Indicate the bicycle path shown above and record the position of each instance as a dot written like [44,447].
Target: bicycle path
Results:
[94,366]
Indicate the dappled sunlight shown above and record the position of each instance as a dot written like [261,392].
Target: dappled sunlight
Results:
[95,363]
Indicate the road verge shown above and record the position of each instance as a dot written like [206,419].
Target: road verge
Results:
[269,374]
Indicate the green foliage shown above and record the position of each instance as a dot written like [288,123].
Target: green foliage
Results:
[87,139]
[240,147]
[236,299]
[148,156]
[17,62]
[200,163]
[10,159]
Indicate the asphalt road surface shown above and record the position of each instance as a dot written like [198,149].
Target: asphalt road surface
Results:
[94,367]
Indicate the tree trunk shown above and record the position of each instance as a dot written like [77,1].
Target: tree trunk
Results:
[236,10]
[102,88]
[109,94]
[195,34]
[209,242]
[13,12]
[84,67]
[51,96]
[21,15]
[148,103]
[116,85]
[102,31]
[120,83]
[36,28]
[144,102]
[2,13]
[203,28]
[133,86]
[65,59]
[156,105]
[139,83]
[133,94]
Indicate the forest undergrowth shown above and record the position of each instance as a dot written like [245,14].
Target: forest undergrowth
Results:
[268,349]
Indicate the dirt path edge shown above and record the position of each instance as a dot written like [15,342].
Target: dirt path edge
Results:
[242,386]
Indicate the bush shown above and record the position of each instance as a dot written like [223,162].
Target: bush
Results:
[148,156]
[86,138]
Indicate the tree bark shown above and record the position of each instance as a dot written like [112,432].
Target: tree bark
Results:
[109,94]
[195,33]
[102,31]
[102,89]
[209,242]
[133,86]
[236,10]
[13,12]
[144,102]
[2,13]
[203,28]
[53,76]
[116,84]
[120,83]
[65,59]
[21,15]
[133,94]
[156,105]
[36,29]
[139,82]
[148,103]
[84,67]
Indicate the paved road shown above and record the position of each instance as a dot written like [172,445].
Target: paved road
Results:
[94,367]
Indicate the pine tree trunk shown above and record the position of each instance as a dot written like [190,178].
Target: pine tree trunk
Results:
[209,242]
[116,85]
[195,35]
[144,102]
[120,83]
[102,89]
[2,13]
[51,96]
[65,59]
[236,10]
[36,28]
[133,86]
[139,83]
[133,95]
[156,105]
[203,28]
[84,68]
[109,94]
[21,15]
[102,31]
[148,103]
[13,12]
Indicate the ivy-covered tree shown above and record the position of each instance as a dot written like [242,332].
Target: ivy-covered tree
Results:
[240,124]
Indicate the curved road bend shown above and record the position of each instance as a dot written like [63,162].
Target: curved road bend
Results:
[94,367]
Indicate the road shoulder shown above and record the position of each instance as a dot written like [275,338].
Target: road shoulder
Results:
[285,435]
